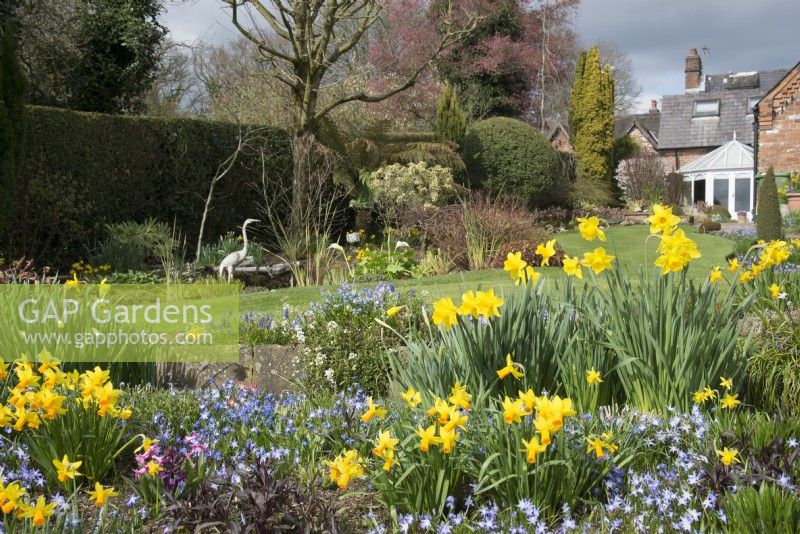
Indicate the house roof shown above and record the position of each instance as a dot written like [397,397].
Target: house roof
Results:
[763,79]
[556,129]
[679,128]
[648,122]
[733,155]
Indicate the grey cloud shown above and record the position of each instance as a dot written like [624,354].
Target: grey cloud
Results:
[741,35]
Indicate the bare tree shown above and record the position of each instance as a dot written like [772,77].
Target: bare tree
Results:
[303,41]
[244,138]
[305,252]
[626,87]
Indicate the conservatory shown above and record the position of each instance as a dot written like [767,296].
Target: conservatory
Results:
[723,177]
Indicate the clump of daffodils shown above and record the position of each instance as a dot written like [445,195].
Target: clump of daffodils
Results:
[475,304]
[675,249]
[548,418]
[40,390]
[728,401]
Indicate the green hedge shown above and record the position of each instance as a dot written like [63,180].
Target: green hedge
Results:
[84,170]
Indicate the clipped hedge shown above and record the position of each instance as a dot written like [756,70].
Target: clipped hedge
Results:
[85,170]
[509,156]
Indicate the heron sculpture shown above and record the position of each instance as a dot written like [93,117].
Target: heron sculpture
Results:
[234,259]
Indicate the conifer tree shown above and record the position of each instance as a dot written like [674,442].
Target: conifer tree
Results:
[592,128]
[768,210]
[12,120]
[451,121]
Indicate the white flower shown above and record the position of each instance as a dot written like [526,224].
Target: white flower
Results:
[401,245]
[329,375]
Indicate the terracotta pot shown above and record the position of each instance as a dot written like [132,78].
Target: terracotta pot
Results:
[793,200]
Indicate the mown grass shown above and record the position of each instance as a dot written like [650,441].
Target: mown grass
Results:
[630,244]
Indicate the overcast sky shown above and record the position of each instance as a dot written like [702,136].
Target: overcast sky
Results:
[740,35]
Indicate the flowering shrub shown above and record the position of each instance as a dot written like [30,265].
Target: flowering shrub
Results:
[344,345]
[396,188]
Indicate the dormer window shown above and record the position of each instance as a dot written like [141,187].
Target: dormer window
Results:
[706,108]
[752,102]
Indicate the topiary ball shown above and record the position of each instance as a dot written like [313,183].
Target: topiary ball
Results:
[508,156]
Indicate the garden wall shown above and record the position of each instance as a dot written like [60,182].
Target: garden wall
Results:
[84,170]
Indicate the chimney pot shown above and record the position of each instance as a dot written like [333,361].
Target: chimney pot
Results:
[693,70]
[654,106]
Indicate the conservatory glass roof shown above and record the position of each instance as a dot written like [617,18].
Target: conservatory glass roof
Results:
[733,155]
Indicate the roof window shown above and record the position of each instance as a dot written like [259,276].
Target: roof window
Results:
[706,108]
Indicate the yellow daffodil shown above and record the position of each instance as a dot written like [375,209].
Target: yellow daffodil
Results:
[728,456]
[745,277]
[533,448]
[589,228]
[385,442]
[106,397]
[412,397]
[456,418]
[601,445]
[733,265]
[546,251]
[593,377]
[39,512]
[529,398]
[726,383]
[6,416]
[345,468]
[470,304]
[597,260]
[512,368]
[445,313]
[427,437]
[101,494]
[544,427]
[572,267]
[459,396]
[528,276]
[513,410]
[440,411]
[703,395]
[730,401]
[662,219]
[489,303]
[394,310]
[515,265]
[10,496]
[447,439]
[775,291]
[676,251]
[388,460]
[74,282]
[715,276]
[373,410]
[26,377]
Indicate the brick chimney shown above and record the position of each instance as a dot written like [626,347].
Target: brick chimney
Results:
[654,106]
[694,71]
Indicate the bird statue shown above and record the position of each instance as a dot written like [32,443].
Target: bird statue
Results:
[234,259]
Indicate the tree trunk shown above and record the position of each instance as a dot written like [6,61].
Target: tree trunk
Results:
[302,148]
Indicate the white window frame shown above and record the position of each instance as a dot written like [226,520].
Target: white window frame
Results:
[714,113]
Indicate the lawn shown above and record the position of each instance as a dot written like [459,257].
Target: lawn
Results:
[624,242]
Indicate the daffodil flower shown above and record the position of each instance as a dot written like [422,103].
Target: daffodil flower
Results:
[511,368]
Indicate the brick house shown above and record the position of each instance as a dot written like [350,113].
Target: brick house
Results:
[778,126]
